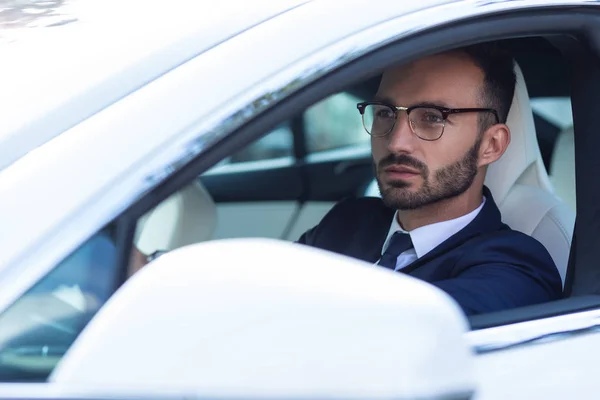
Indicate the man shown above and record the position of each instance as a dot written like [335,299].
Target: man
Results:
[435,126]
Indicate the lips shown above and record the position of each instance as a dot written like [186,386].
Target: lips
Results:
[400,169]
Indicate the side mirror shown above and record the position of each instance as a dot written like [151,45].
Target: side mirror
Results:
[265,318]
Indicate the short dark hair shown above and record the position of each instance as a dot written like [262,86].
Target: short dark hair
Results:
[497,64]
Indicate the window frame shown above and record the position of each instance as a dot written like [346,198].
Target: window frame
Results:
[522,23]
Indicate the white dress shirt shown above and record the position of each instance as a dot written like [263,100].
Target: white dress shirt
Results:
[428,237]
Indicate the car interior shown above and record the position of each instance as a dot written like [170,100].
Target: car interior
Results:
[533,183]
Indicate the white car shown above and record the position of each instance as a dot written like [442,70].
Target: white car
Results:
[220,131]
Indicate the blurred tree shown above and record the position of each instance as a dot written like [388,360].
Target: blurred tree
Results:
[25,13]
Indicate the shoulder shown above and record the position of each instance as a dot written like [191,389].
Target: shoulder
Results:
[517,252]
[507,240]
[350,215]
[502,270]
[507,246]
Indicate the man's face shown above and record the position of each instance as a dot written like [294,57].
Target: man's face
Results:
[412,172]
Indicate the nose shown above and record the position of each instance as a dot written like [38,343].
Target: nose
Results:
[401,139]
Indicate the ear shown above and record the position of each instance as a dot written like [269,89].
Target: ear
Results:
[493,144]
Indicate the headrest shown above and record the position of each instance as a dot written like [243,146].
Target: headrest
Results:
[188,216]
[523,152]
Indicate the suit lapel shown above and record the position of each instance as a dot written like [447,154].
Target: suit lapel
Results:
[488,220]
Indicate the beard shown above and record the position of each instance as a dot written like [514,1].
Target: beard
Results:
[448,182]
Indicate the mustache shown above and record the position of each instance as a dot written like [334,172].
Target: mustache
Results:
[402,159]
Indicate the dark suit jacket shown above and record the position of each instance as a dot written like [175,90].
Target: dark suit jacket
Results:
[485,267]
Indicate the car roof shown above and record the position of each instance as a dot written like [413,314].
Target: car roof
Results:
[85,55]
[65,65]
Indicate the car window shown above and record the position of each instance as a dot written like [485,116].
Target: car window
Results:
[334,123]
[556,110]
[37,329]
[276,144]
[554,128]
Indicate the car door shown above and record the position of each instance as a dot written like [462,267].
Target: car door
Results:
[547,359]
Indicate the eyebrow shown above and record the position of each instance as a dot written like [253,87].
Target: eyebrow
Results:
[434,103]
[383,99]
[388,100]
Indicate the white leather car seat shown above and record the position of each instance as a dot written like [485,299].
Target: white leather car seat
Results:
[521,187]
[188,216]
[562,167]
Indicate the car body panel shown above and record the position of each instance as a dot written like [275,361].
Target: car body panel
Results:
[57,78]
[60,76]
[561,369]
[64,188]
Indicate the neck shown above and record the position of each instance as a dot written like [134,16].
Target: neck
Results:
[441,211]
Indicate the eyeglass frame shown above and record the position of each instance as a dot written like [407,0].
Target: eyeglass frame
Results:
[446,112]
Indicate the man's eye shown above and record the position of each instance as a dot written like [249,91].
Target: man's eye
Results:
[384,114]
[432,118]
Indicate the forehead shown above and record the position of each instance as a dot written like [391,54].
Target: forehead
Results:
[449,79]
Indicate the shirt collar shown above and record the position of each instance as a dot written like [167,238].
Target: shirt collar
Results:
[428,237]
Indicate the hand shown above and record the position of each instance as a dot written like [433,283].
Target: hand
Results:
[137,261]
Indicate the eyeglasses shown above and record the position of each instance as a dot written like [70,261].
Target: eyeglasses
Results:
[426,121]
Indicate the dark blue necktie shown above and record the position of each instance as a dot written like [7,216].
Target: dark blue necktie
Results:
[399,243]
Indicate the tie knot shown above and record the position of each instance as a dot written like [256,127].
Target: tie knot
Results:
[399,243]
